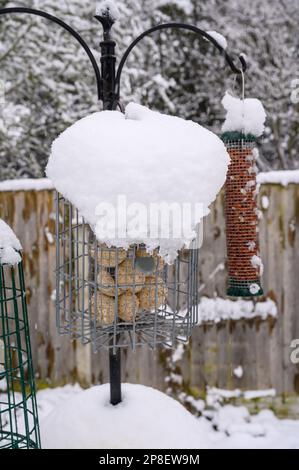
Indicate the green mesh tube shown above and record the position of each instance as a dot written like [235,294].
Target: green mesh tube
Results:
[19,428]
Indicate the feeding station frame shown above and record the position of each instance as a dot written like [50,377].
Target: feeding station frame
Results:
[108,80]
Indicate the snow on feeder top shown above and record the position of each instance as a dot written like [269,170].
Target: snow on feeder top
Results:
[146,157]
[243,125]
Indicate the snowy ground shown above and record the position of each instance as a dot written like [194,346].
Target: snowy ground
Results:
[235,427]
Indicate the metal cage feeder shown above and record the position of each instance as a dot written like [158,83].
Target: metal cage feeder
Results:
[19,428]
[115,298]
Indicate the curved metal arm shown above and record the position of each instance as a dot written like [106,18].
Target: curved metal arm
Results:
[188,27]
[68,28]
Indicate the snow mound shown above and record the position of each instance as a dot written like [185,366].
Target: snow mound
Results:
[146,419]
[9,245]
[26,184]
[246,116]
[148,157]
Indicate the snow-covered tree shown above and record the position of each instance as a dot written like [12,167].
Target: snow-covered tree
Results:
[49,81]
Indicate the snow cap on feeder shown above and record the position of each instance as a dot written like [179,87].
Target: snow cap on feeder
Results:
[243,125]
[146,156]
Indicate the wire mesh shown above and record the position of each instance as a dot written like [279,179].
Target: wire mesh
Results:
[242,220]
[19,428]
[115,298]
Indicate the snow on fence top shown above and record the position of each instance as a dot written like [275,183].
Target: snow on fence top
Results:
[247,116]
[218,309]
[104,5]
[284,177]
[148,157]
[26,184]
[9,245]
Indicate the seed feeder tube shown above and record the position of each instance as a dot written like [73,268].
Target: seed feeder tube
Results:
[244,263]
[19,426]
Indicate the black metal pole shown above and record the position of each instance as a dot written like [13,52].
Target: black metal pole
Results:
[108,72]
[108,61]
[115,374]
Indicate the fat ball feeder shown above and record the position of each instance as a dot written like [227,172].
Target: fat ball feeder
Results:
[117,298]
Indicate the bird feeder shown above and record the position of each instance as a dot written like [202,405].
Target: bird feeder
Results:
[244,124]
[19,428]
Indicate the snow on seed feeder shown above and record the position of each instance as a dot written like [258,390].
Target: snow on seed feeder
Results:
[243,125]
[19,427]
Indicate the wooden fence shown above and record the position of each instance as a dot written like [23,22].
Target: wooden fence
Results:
[262,348]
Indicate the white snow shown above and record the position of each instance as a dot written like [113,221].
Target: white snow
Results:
[239,429]
[238,372]
[253,394]
[26,184]
[218,309]
[104,5]
[251,245]
[257,263]
[216,397]
[284,177]
[145,156]
[145,419]
[9,245]
[265,202]
[246,116]
[226,426]
[178,353]
[49,236]
[219,38]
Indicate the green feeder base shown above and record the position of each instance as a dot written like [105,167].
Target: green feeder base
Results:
[238,288]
